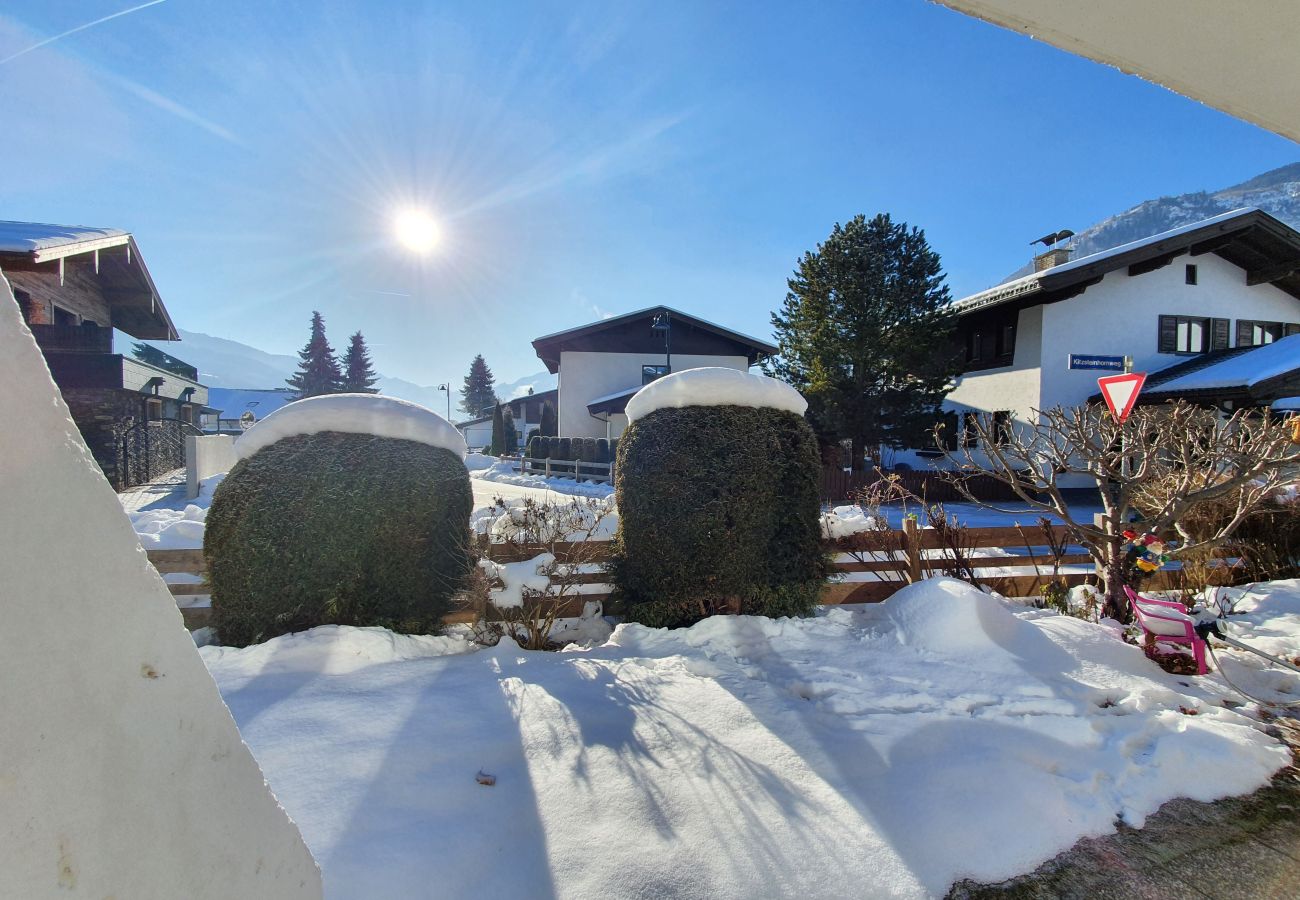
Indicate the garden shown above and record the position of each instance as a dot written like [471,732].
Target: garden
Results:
[673,687]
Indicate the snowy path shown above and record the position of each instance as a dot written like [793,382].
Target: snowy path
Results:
[881,752]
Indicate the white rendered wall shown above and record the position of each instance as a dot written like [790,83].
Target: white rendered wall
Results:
[477,436]
[1121,316]
[122,773]
[205,456]
[585,375]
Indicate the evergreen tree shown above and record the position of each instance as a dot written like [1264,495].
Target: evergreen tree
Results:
[509,437]
[318,367]
[548,426]
[865,333]
[498,447]
[358,374]
[477,394]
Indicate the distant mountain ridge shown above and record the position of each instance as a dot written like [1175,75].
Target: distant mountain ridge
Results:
[225,363]
[1277,192]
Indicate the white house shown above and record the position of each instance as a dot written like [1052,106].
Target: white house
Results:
[601,365]
[1174,302]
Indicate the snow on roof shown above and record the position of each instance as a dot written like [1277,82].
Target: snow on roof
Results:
[33,237]
[714,386]
[626,392]
[234,402]
[1244,369]
[353,414]
[1287,403]
[1029,283]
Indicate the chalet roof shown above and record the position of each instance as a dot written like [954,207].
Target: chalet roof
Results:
[630,333]
[612,403]
[128,287]
[46,242]
[518,402]
[1267,248]
[260,401]
[1256,376]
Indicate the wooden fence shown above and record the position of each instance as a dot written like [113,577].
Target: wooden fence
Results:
[868,574]
[579,469]
[839,486]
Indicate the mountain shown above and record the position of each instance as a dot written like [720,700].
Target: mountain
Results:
[225,363]
[1277,192]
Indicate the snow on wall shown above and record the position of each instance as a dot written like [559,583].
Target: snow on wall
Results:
[353,414]
[205,456]
[121,770]
[715,386]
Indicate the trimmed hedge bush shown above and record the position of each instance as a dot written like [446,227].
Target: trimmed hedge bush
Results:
[719,512]
[332,528]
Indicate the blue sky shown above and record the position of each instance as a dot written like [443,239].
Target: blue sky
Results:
[584,159]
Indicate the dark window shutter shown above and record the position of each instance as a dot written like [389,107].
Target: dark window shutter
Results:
[1244,327]
[1292,328]
[1168,334]
[1219,333]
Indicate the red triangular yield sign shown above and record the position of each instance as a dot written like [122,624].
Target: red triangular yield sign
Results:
[1121,392]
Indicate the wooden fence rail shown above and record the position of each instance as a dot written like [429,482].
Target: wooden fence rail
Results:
[861,575]
[579,469]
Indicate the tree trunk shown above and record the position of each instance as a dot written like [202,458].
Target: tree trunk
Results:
[859,454]
[1116,604]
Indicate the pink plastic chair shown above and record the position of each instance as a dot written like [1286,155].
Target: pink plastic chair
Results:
[1165,620]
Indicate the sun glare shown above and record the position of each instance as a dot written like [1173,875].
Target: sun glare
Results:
[416,230]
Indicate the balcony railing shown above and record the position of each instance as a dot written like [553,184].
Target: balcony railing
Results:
[73,338]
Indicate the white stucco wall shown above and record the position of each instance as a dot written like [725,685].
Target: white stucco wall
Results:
[585,375]
[205,456]
[477,436]
[122,773]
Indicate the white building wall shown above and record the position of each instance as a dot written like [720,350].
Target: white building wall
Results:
[585,375]
[207,455]
[122,773]
[1121,316]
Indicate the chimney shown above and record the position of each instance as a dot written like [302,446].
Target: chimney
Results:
[1053,257]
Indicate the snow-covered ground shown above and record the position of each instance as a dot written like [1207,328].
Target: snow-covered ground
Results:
[886,751]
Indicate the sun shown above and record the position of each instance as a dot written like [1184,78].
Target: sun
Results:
[416,230]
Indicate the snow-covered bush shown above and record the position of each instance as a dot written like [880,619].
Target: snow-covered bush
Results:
[719,513]
[338,528]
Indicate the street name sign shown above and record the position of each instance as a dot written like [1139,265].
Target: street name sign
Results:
[1091,361]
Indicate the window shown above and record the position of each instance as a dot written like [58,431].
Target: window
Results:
[975,346]
[153,409]
[969,430]
[1251,333]
[63,317]
[187,413]
[1192,334]
[1002,427]
[650,373]
[1191,275]
[1007,339]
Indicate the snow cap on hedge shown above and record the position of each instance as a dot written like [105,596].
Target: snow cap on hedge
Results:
[715,386]
[353,414]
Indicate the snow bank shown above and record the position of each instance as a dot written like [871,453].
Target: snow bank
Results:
[894,749]
[332,650]
[353,414]
[846,521]
[714,386]
[504,471]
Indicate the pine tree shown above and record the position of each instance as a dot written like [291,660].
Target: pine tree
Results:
[498,447]
[318,367]
[510,439]
[477,394]
[358,374]
[865,334]
[548,425]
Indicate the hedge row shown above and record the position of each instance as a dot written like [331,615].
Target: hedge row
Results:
[597,450]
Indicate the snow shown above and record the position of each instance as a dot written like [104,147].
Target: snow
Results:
[845,521]
[30,237]
[503,471]
[885,751]
[353,414]
[1287,403]
[166,528]
[714,386]
[1029,283]
[234,402]
[1242,370]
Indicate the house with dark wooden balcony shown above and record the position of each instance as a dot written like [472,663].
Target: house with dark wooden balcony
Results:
[74,287]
